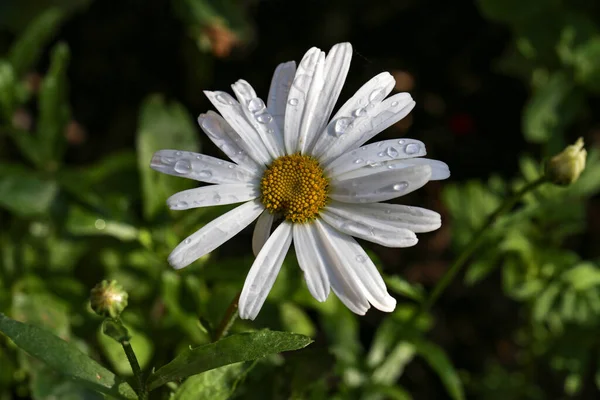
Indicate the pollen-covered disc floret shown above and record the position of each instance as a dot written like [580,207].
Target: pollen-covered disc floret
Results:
[294,186]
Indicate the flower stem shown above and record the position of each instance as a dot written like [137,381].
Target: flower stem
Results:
[228,319]
[471,247]
[135,367]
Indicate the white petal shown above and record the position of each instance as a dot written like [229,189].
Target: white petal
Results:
[231,110]
[228,140]
[309,252]
[264,270]
[278,93]
[375,153]
[214,234]
[353,131]
[364,228]
[395,216]
[343,282]
[199,167]
[439,169]
[259,117]
[303,99]
[381,186]
[371,93]
[359,267]
[262,230]
[337,64]
[213,195]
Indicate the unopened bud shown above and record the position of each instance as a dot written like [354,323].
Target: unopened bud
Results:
[108,299]
[565,167]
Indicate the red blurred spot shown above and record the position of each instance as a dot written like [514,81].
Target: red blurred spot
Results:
[461,124]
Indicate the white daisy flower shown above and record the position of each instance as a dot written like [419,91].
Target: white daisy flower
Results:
[291,162]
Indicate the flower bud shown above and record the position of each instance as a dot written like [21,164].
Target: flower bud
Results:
[108,299]
[565,167]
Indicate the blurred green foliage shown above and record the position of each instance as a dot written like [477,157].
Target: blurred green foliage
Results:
[65,227]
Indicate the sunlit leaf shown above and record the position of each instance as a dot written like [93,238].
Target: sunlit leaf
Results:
[216,384]
[65,358]
[23,193]
[230,350]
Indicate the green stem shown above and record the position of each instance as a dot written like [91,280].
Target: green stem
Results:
[135,367]
[228,319]
[471,247]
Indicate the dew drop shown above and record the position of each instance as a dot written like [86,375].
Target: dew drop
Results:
[182,167]
[198,157]
[373,164]
[400,141]
[360,258]
[187,241]
[388,211]
[271,131]
[391,152]
[377,95]
[181,204]
[411,148]
[394,103]
[220,162]
[223,98]
[341,125]
[178,153]
[167,160]
[293,102]
[264,118]
[381,154]
[400,186]
[255,105]
[358,161]
[230,166]
[302,82]
[359,112]
[205,174]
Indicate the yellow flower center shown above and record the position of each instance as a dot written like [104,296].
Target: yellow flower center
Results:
[294,186]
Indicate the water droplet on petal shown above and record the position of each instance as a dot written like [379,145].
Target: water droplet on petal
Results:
[205,174]
[224,98]
[400,141]
[360,258]
[373,164]
[411,148]
[391,152]
[293,102]
[181,204]
[381,154]
[358,161]
[264,118]
[302,82]
[394,103]
[359,112]
[167,160]
[182,167]
[198,157]
[255,105]
[230,166]
[341,125]
[178,153]
[388,211]
[400,186]
[377,95]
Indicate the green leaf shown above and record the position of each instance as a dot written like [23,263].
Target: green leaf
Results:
[54,109]
[405,288]
[26,51]
[8,95]
[65,358]
[232,349]
[23,193]
[113,350]
[393,365]
[162,126]
[83,222]
[216,384]
[294,319]
[439,362]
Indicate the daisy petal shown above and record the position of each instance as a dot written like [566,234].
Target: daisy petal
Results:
[303,99]
[213,195]
[391,215]
[231,110]
[380,186]
[214,234]
[357,130]
[259,117]
[264,270]
[199,167]
[375,153]
[359,267]
[228,140]
[262,230]
[344,284]
[337,64]
[361,227]
[310,257]
[371,93]
[439,169]
[278,93]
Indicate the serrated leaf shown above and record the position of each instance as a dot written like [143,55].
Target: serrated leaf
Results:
[25,52]
[216,384]
[23,193]
[230,350]
[65,358]
[439,362]
[162,126]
